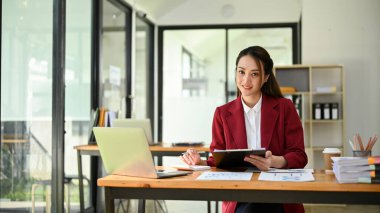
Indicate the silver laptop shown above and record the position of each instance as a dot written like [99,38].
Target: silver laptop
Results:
[139,123]
[125,151]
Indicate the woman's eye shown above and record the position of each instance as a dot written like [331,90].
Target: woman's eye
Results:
[241,72]
[255,74]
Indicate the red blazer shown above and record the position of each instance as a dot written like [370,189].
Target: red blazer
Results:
[281,133]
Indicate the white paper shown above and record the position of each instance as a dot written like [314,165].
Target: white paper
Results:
[271,170]
[225,176]
[191,168]
[292,177]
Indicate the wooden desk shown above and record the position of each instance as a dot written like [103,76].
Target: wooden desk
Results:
[324,190]
[159,151]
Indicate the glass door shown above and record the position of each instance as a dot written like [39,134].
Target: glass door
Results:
[115,77]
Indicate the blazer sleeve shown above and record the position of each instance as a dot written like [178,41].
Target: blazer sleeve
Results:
[294,148]
[218,139]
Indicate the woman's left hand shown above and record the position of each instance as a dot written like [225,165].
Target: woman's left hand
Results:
[261,163]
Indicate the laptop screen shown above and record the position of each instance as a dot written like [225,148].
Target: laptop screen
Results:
[137,123]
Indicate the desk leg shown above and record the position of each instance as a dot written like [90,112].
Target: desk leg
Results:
[80,174]
[110,203]
[141,206]
[159,160]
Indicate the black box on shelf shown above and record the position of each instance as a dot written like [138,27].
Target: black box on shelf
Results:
[334,111]
[326,111]
[317,111]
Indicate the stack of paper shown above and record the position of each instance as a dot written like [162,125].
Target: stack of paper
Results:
[357,169]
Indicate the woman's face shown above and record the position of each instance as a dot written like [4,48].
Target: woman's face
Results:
[249,78]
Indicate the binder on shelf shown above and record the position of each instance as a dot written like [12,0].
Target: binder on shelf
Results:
[297,100]
[317,111]
[334,111]
[102,117]
[93,122]
[326,111]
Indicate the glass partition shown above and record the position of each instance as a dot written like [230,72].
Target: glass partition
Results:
[26,105]
[193,83]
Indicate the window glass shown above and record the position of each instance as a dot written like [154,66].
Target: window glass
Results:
[26,102]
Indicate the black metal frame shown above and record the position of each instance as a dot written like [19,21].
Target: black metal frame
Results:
[96,87]
[296,34]
[58,103]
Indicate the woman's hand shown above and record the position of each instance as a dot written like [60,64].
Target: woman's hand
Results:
[261,163]
[192,157]
[265,163]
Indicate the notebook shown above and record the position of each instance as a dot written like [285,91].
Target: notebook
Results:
[125,151]
[140,123]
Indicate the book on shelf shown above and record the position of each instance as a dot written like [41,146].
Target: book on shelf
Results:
[101,117]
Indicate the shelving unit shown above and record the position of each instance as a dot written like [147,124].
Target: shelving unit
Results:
[318,133]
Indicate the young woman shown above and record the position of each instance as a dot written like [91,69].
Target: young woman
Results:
[258,117]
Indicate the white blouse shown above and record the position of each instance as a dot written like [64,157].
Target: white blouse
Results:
[252,117]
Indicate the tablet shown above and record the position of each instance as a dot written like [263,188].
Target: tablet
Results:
[235,157]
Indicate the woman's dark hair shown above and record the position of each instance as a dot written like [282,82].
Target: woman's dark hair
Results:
[262,58]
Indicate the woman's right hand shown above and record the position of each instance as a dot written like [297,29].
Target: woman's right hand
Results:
[192,157]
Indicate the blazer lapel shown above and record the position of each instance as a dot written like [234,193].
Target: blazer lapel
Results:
[269,118]
[236,125]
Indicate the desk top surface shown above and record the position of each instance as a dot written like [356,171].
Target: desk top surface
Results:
[161,148]
[323,182]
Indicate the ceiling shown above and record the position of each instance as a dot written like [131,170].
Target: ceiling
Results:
[156,8]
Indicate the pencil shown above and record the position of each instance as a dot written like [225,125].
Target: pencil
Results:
[372,143]
[351,144]
[369,142]
[360,143]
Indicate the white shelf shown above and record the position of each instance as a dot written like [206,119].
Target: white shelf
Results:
[318,134]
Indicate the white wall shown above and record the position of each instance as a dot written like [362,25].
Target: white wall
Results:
[347,32]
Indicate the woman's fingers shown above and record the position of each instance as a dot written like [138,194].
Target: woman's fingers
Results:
[190,157]
[260,162]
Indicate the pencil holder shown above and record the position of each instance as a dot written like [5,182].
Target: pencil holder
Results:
[358,153]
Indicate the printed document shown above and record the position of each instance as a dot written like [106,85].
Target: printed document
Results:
[291,176]
[225,176]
